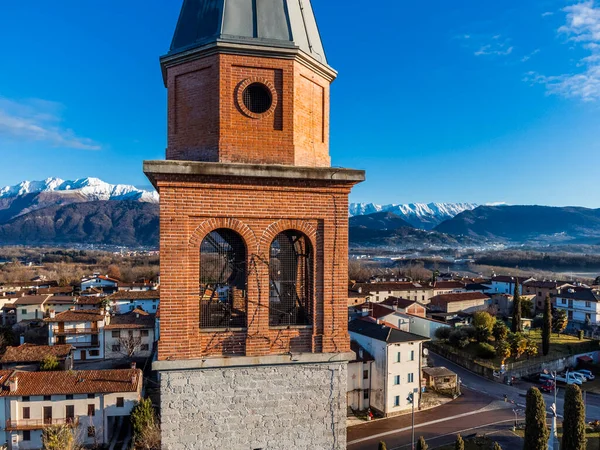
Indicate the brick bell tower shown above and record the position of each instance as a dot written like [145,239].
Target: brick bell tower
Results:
[254,340]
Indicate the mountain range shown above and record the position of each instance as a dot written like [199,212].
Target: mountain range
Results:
[419,215]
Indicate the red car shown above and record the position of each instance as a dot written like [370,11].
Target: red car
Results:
[548,386]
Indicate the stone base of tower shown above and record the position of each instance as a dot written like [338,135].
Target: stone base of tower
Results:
[275,405]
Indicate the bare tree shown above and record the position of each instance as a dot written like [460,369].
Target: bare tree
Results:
[128,345]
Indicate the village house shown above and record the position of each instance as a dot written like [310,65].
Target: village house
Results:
[94,402]
[130,335]
[415,324]
[542,289]
[138,286]
[466,302]
[106,284]
[581,304]
[447,287]
[359,378]
[30,307]
[378,292]
[29,356]
[505,284]
[504,303]
[126,301]
[90,302]
[83,329]
[441,380]
[59,303]
[397,370]
[405,306]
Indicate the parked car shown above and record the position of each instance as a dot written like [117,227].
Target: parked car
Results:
[586,373]
[548,386]
[579,376]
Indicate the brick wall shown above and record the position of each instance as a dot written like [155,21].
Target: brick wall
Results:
[258,210]
[208,123]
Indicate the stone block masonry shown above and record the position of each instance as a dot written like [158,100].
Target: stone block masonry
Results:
[296,406]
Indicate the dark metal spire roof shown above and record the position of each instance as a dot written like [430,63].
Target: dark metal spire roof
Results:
[269,23]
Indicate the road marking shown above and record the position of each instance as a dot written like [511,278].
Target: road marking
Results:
[457,432]
[421,425]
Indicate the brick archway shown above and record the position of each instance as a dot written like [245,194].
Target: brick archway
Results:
[211,225]
[287,224]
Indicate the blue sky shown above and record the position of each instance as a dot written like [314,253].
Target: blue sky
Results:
[462,101]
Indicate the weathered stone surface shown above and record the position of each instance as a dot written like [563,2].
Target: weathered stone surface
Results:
[265,407]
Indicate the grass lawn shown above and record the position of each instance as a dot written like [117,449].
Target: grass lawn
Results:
[477,443]
[593,438]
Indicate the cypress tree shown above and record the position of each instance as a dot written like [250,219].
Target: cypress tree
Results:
[382,446]
[460,444]
[546,326]
[536,431]
[422,445]
[574,421]
[516,316]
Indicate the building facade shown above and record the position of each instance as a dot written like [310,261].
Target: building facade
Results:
[253,233]
[581,304]
[83,329]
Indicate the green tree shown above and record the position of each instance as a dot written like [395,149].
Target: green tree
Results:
[443,333]
[49,363]
[503,350]
[382,446]
[560,321]
[574,420]
[142,417]
[516,326]
[518,345]
[531,348]
[484,324]
[546,326]
[58,437]
[459,444]
[459,339]
[500,330]
[422,445]
[536,431]
[526,307]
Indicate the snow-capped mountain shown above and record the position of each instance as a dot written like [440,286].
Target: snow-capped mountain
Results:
[90,189]
[420,215]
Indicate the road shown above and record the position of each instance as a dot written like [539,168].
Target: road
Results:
[481,408]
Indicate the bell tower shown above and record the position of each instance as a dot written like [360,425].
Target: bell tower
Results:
[254,341]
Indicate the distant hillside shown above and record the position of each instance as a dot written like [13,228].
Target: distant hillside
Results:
[419,215]
[540,224]
[123,223]
[385,229]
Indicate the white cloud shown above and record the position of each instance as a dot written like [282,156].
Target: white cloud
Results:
[39,120]
[547,13]
[529,56]
[583,29]
[494,46]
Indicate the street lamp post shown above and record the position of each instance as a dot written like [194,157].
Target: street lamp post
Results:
[411,400]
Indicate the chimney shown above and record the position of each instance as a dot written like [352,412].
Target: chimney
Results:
[52,314]
[21,339]
[133,365]
[133,379]
[13,383]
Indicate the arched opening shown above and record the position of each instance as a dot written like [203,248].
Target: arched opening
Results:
[291,279]
[223,293]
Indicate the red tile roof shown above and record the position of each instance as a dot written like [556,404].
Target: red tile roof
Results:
[136,319]
[34,353]
[460,297]
[449,285]
[81,315]
[31,300]
[72,382]
[136,295]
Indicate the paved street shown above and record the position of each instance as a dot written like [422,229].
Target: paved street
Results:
[481,409]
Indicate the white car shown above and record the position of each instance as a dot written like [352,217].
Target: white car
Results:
[579,376]
[586,373]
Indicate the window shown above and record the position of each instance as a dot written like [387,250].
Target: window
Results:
[223,280]
[94,352]
[26,413]
[91,410]
[291,279]
[25,399]
[588,304]
[23,311]
[398,357]
[412,355]
[26,435]
[47,398]
[397,400]
[69,397]
[257,98]
[116,348]
[366,395]
[397,379]
[130,332]
[411,377]
[116,334]
[145,347]
[70,413]
[91,431]
[120,402]
[144,333]
[563,301]
[91,395]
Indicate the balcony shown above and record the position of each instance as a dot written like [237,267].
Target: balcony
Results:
[74,331]
[38,424]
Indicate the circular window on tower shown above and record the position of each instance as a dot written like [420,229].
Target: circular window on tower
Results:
[257,98]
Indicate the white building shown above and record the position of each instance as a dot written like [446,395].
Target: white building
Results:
[90,401]
[378,292]
[103,282]
[505,284]
[130,335]
[30,307]
[359,378]
[126,301]
[581,304]
[83,329]
[396,372]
